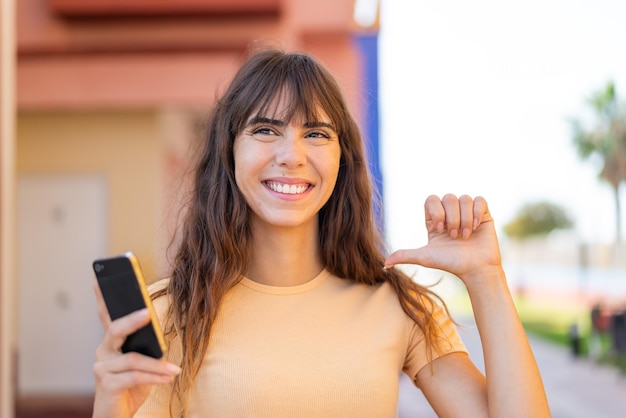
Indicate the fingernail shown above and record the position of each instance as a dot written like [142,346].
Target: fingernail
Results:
[454,233]
[466,233]
[172,368]
[475,225]
[142,313]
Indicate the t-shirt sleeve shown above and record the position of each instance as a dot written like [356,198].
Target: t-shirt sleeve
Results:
[446,340]
[157,405]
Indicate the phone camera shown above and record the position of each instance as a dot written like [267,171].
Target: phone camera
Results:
[99,268]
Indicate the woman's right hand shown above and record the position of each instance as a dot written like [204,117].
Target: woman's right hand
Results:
[123,381]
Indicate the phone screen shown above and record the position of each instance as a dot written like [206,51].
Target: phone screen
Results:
[123,290]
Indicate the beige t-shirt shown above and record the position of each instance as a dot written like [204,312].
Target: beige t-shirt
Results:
[328,348]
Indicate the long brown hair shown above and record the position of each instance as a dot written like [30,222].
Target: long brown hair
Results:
[216,238]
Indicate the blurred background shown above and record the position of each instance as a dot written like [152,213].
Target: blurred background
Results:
[102,103]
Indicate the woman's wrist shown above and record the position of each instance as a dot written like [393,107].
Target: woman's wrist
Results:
[488,281]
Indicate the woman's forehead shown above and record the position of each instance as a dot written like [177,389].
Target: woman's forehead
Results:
[286,108]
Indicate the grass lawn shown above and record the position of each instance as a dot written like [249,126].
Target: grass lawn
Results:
[543,318]
[553,322]
[550,321]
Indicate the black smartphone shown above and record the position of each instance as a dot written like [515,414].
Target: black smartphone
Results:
[124,291]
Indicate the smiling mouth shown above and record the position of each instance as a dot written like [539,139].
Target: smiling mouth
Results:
[287,188]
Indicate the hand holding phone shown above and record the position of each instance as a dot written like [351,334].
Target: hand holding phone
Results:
[123,289]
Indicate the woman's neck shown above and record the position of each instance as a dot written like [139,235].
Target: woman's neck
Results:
[285,256]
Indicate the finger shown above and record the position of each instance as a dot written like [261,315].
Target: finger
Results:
[435,215]
[481,211]
[119,330]
[118,382]
[103,312]
[419,256]
[466,206]
[453,214]
[136,362]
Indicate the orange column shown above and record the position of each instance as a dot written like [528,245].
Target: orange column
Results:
[7,206]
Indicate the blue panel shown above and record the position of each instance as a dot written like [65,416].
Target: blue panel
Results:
[368,44]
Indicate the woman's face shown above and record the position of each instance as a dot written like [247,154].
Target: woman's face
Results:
[286,169]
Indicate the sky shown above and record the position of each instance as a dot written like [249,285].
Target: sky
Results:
[476,97]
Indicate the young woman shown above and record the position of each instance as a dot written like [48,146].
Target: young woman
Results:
[281,302]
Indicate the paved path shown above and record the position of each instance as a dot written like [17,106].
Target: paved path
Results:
[576,388]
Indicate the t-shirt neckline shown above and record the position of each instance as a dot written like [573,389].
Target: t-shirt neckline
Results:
[286,290]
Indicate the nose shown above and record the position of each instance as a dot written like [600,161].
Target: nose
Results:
[290,151]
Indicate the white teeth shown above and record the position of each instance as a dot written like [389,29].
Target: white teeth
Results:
[286,188]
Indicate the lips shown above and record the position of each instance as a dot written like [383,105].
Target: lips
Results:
[285,188]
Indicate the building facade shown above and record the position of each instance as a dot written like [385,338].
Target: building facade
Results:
[110,98]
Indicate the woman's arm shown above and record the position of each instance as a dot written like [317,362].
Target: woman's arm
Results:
[462,240]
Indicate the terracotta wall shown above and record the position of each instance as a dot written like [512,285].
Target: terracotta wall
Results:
[128,60]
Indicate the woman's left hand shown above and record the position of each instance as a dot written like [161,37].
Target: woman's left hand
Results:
[461,238]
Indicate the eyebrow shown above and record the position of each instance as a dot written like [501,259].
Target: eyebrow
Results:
[261,119]
[319,125]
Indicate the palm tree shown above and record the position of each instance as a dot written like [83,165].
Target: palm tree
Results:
[606,141]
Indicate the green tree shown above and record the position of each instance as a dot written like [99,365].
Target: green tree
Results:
[606,142]
[537,219]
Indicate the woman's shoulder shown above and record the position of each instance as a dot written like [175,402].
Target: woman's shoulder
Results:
[160,298]
[158,285]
